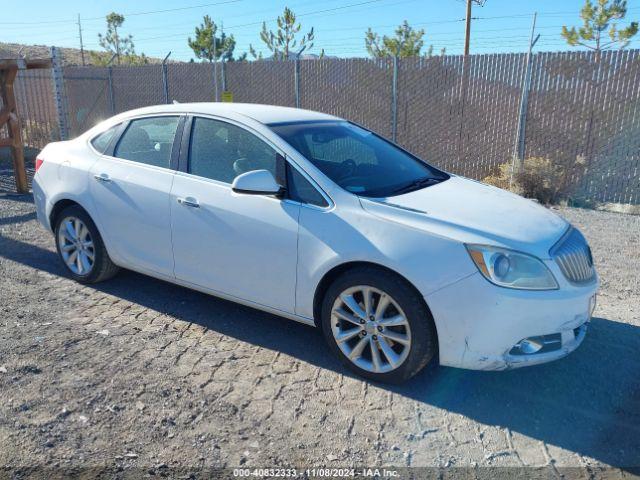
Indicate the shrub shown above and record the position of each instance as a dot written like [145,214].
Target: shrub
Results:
[500,178]
[540,179]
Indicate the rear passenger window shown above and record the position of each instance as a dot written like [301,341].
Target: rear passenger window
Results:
[148,141]
[101,142]
[301,190]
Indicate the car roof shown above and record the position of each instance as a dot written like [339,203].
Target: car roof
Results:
[266,114]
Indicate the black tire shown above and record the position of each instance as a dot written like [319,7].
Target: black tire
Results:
[424,341]
[103,268]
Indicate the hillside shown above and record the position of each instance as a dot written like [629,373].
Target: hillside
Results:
[71,56]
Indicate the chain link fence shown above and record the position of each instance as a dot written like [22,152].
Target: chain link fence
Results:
[88,97]
[467,115]
[356,89]
[584,114]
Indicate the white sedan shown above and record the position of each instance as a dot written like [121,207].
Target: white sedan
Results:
[314,218]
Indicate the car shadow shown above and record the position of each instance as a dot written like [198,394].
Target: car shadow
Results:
[587,403]
[10,195]
[18,218]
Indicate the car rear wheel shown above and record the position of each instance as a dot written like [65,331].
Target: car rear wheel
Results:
[81,248]
[378,325]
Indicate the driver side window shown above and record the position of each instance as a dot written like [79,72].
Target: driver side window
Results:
[221,151]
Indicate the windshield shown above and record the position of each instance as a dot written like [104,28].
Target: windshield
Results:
[358,160]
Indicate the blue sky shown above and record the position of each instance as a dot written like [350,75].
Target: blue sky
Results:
[501,25]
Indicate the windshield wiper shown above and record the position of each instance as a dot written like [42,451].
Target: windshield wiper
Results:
[417,185]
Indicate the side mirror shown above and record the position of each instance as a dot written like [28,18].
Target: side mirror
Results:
[257,182]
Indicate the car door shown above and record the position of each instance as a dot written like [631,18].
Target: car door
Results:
[240,245]
[130,185]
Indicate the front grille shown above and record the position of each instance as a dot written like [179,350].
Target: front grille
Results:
[573,255]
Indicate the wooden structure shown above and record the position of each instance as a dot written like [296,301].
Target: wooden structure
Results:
[9,115]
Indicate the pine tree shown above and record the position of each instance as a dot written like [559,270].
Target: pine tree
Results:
[407,42]
[283,43]
[598,21]
[116,45]
[207,46]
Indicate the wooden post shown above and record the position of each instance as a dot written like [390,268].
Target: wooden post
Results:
[9,115]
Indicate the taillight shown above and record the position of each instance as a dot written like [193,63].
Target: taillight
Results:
[39,162]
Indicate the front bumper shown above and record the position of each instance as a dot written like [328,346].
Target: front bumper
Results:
[481,325]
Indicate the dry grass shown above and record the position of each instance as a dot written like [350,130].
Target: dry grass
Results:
[540,178]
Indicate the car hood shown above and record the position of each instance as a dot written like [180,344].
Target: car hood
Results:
[473,212]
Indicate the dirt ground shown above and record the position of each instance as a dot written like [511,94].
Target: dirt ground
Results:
[137,372]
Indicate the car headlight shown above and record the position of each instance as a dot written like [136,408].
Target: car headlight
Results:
[511,269]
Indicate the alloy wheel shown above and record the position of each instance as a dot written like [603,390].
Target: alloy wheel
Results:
[370,329]
[76,246]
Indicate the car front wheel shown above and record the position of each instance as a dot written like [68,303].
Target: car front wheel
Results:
[378,325]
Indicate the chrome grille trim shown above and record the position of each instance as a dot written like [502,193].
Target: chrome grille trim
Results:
[573,256]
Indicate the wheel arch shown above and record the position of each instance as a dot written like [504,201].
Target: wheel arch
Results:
[106,267]
[330,276]
[59,206]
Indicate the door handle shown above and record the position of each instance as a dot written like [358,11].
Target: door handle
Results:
[189,202]
[103,177]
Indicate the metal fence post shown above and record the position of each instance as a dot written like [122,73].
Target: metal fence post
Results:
[519,151]
[296,80]
[59,94]
[165,79]
[215,79]
[223,76]
[522,117]
[394,100]
[165,84]
[112,100]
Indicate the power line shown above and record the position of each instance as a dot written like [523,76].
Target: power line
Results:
[131,14]
[185,8]
[429,37]
[491,42]
[175,9]
[271,20]
[478,39]
[435,38]
[182,24]
[455,39]
[190,7]
[145,39]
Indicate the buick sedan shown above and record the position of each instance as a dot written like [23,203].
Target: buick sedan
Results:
[317,219]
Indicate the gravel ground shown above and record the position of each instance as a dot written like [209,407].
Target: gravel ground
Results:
[137,372]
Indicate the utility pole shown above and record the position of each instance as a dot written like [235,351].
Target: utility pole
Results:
[81,45]
[467,37]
